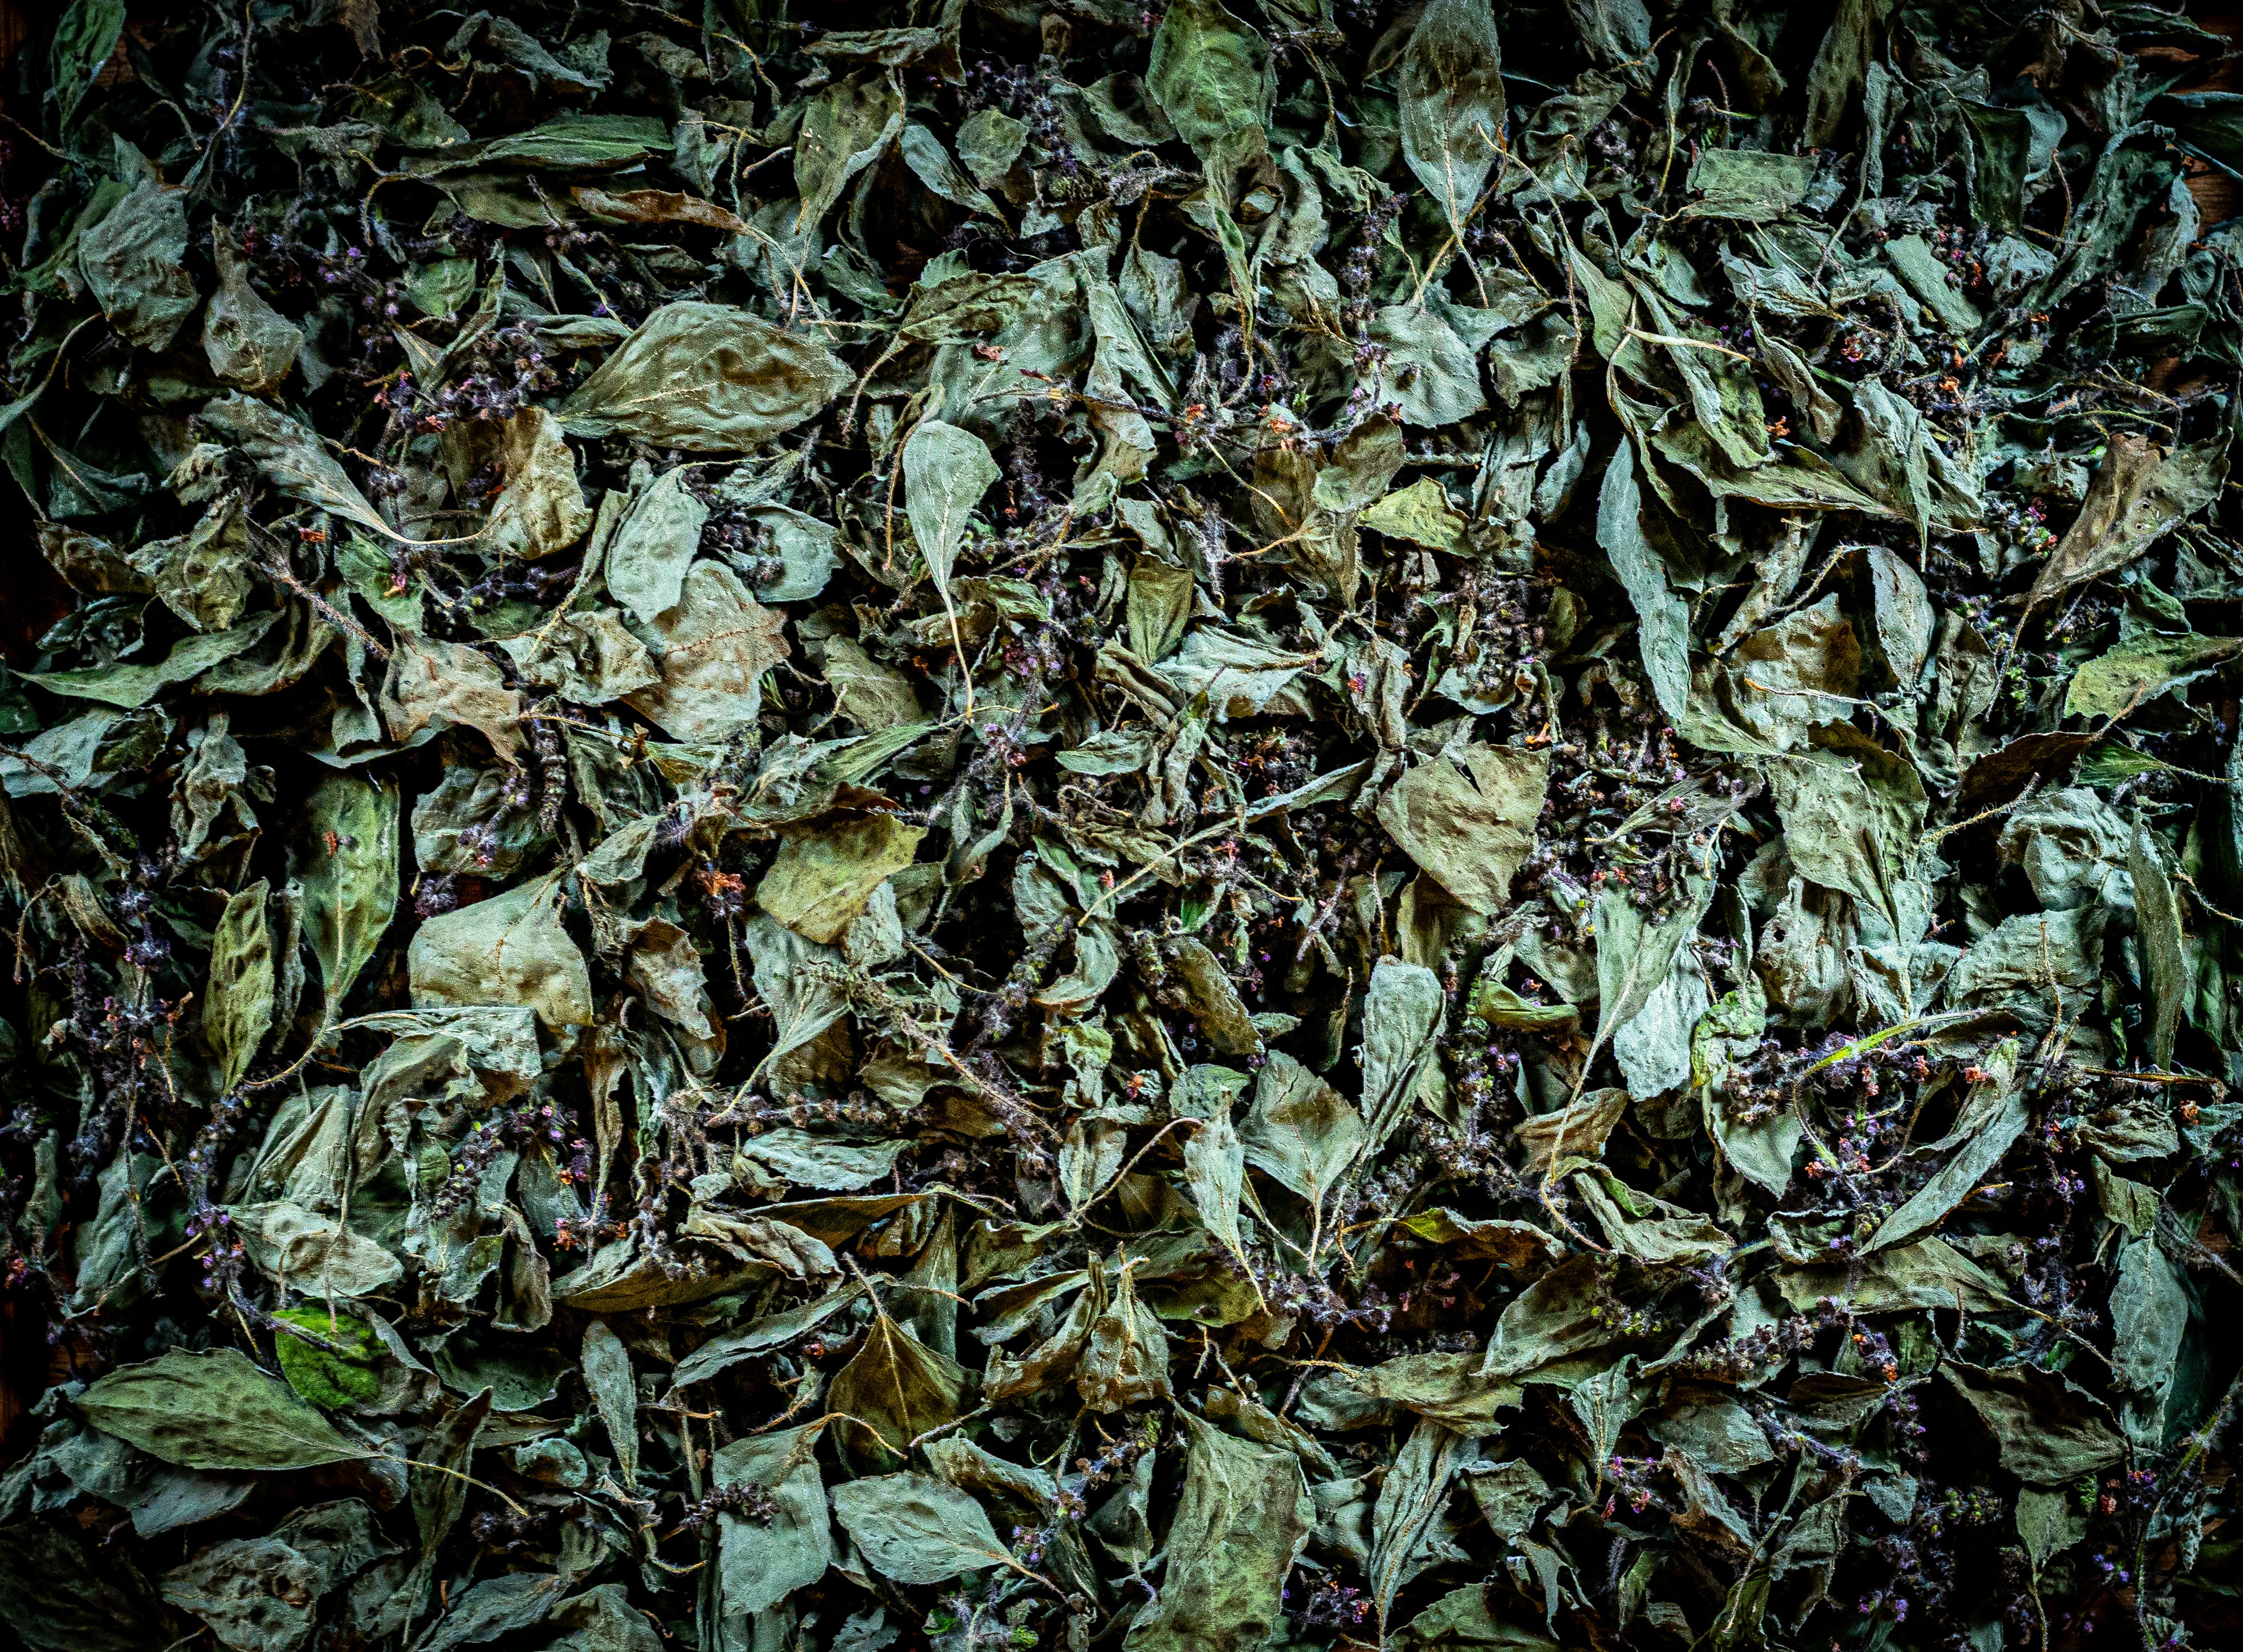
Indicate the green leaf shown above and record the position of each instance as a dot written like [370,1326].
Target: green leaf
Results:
[588,657]
[646,559]
[918,1530]
[1431,370]
[1467,1618]
[896,1389]
[615,1394]
[2157,905]
[2048,1432]
[1451,103]
[1403,1010]
[1301,1131]
[238,1001]
[761,1563]
[2050,1520]
[1468,818]
[2140,492]
[131,686]
[1851,822]
[1558,1315]
[1841,64]
[572,142]
[1753,185]
[331,1381]
[803,1002]
[820,1161]
[212,1410]
[1211,76]
[851,120]
[437,1486]
[511,950]
[1243,1516]
[1125,1356]
[135,261]
[1420,513]
[85,40]
[292,460]
[762,1335]
[495,1606]
[365,563]
[2140,670]
[1662,618]
[947,470]
[347,867]
[304,1249]
[1211,997]
[1995,1116]
[807,551]
[1412,1498]
[1903,613]
[257,1595]
[707,378]
[820,881]
[246,341]
[203,574]
[541,512]
[1158,609]
[2149,1321]
[712,649]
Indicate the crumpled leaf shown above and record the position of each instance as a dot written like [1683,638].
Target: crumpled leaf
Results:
[1468,819]
[203,574]
[820,882]
[711,648]
[257,1595]
[135,262]
[541,511]
[238,1005]
[246,341]
[1403,1015]
[2135,672]
[2139,492]
[511,950]
[1243,1516]
[348,873]
[435,686]
[708,378]
[317,1252]
[1211,76]
[2047,1432]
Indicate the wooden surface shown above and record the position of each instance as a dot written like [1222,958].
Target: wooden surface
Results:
[2218,195]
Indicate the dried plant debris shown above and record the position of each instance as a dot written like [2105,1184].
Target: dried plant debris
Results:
[1069,823]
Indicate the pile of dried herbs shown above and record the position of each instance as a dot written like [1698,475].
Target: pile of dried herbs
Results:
[1070,823]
